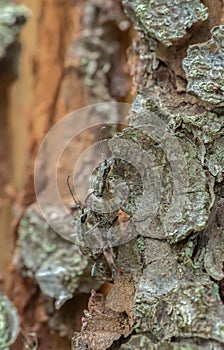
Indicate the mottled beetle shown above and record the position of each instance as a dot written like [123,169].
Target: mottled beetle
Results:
[91,233]
[96,224]
[102,173]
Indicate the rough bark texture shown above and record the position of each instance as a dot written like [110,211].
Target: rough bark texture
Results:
[168,287]
[56,76]
[177,273]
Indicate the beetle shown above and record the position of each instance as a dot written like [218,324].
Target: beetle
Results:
[102,176]
[103,173]
[91,228]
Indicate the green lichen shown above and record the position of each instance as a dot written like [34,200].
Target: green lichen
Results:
[215,292]
[9,323]
[141,244]
[187,309]
[168,186]
[167,21]
[185,253]
[204,69]
[57,265]
[167,147]
[173,299]
[142,342]
[12,18]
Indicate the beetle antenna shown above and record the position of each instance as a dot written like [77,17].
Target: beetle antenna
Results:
[74,235]
[72,194]
[90,194]
[101,142]
[93,228]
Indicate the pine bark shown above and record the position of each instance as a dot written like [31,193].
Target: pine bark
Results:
[168,289]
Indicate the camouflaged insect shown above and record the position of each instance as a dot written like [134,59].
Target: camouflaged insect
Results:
[96,225]
[92,234]
[104,267]
[102,176]
[91,227]
[113,178]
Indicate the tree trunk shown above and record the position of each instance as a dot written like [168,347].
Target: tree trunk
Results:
[168,288]
[165,252]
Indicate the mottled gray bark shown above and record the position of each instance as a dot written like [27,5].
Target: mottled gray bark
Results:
[177,146]
[178,300]
[168,287]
